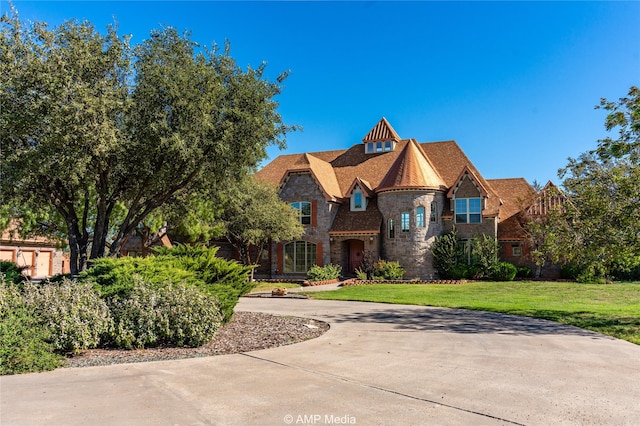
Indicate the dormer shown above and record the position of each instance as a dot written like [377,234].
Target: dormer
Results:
[469,197]
[382,138]
[359,194]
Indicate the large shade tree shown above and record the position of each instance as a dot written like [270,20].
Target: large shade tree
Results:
[601,218]
[98,135]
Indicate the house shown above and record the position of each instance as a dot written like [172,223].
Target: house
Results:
[390,197]
[41,256]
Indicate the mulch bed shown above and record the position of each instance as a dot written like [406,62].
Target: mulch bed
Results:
[247,331]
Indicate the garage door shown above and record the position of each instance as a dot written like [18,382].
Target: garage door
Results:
[43,264]
[6,255]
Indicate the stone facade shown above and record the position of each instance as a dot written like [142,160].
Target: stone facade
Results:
[411,248]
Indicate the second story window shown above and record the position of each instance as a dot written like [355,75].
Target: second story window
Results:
[304,211]
[358,201]
[392,229]
[468,210]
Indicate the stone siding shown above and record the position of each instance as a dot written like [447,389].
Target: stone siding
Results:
[411,248]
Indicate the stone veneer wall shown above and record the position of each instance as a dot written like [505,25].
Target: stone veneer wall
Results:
[411,248]
[302,186]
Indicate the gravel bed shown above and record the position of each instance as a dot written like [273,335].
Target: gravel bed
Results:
[247,331]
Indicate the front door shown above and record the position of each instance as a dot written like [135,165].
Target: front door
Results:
[356,254]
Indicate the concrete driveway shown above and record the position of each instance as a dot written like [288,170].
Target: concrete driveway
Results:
[378,365]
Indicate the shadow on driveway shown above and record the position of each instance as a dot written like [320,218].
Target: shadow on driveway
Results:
[460,321]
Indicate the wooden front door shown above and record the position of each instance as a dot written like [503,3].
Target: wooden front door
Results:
[356,254]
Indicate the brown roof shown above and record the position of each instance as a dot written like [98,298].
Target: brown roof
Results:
[357,222]
[411,170]
[516,194]
[381,132]
[433,165]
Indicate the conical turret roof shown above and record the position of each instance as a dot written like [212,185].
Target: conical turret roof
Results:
[411,170]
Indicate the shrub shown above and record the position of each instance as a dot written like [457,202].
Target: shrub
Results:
[459,271]
[385,270]
[12,272]
[171,314]
[571,271]
[523,272]
[447,252]
[503,271]
[23,342]
[361,274]
[73,313]
[324,273]
[226,280]
[484,249]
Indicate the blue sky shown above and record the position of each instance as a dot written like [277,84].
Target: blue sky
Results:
[514,83]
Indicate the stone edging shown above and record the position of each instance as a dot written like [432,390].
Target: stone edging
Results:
[356,282]
[314,283]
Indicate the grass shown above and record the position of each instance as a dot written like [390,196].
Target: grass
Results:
[611,309]
[264,287]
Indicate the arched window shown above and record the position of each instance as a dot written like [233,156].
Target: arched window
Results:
[420,217]
[434,212]
[304,211]
[299,256]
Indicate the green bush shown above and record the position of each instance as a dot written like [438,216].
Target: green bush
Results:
[523,272]
[73,313]
[447,252]
[23,342]
[484,250]
[116,276]
[227,280]
[503,271]
[361,274]
[324,273]
[194,266]
[12,272]
[170,314]
[386,270]
[459,271]
[571,271]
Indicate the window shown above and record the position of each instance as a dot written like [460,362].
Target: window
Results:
[299,256]
[304,211]
[358,202]
[420,216]
[516,250]
[374,147]
[468,210]
[392,229]
[434,212]
[404,222]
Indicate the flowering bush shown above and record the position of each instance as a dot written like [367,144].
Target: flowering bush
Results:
[23,342]
[71,311]
[386,270]
[172,314]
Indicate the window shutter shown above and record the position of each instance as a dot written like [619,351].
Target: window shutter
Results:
[314,213]
[508,250]
[319,254]
[280,254]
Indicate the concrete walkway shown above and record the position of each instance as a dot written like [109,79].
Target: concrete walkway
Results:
[378,365]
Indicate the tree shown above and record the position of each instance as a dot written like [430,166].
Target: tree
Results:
[254,215]
[101,135]
[603,193]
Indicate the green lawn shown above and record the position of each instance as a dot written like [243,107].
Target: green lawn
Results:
[612,309]
[267,287]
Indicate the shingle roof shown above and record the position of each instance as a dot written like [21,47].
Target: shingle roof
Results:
[381,132]
[516,194]
[357,222]
[411,170]
[336,171]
